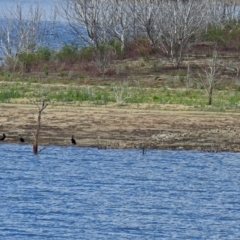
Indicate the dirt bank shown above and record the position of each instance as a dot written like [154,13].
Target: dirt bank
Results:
[115,127]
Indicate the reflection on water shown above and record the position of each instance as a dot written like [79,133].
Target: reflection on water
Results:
[86,193]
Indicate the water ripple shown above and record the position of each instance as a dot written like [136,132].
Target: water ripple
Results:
[86,193]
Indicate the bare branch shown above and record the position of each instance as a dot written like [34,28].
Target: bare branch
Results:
[42,149]
[212,73]
[85,19]
[21,30]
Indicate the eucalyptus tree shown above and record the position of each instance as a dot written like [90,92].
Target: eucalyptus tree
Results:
[21,30]
[85,18]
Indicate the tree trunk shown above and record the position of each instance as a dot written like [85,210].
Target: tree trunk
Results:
[210,95]
[35,147]
[35,143]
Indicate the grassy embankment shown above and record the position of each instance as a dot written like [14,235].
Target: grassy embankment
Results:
[137,76]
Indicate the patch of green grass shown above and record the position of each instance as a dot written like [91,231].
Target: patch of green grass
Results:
[223,100]
[78,94]
[62,74]
[13,90]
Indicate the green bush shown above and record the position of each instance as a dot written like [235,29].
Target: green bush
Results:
[116,45]
[43,54]
[216,34]
[27,59]
[67,53]
[86,53]
[227,34]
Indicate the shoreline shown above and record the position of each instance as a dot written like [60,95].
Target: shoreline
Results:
[120,128]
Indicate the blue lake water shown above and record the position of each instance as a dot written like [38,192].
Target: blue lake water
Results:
[86,193]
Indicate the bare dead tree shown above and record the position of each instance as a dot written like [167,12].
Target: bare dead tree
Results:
[147,18]
[20,31]
[178,22]
[118,20]
[220,11]
[227,10]
[212,77]
[85,19]
[36,135]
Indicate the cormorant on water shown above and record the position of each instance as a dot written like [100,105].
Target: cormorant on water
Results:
[3,137]
[73,141]
[21,139]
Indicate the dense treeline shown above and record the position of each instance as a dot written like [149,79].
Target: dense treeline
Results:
[100,31]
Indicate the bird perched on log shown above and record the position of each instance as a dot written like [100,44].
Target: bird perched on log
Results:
[73,140]
[3,137]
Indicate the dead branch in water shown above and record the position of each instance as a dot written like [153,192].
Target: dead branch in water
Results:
[40,110]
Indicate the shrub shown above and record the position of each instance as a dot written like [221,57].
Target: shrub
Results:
[227,35]
[86,53]
[116,45]
[43,54]
[216,34]
[67,53]
[140,47]
[27,59]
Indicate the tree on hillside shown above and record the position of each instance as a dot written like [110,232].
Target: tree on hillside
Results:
[212,72]
[179,21]
[20,31]
[85,18]
[147,18]
[219,11]
[118,20]
[230,9]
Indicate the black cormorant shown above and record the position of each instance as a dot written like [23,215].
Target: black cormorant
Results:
[21,139]
[73,141]
[3,137]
